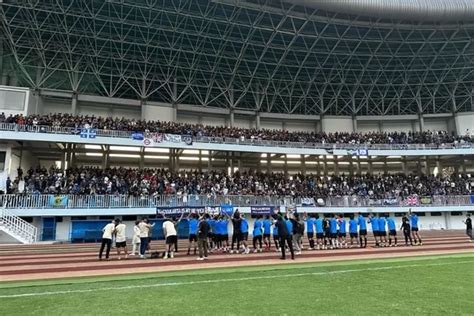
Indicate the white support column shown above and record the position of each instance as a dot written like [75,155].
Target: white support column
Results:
[257,120]
[421,122]
[74,104]
[231,118]
[453,116]
[303,165]
[354,123]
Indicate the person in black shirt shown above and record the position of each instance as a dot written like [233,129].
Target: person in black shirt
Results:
[236,222]
[406,230]
[203,234]
[468,223]
[285,237]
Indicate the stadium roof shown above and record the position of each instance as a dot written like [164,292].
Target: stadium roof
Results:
[302,56]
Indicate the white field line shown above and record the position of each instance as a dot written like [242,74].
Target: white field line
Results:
[273,276]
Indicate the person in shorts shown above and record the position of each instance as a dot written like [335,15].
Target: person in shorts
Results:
[244,234]
[171,236]
[224,233]
[267,230]
[353,225]
[414,228]
[392,232]
[374,221]
[120,238]
[193,223]
[319,227]
[382,230]
[362,230]
[310,230]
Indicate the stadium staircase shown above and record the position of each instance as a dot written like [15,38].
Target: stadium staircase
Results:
[17,228]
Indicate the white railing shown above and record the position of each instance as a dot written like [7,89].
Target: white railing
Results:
[236,141]
[17,227]
[72,201]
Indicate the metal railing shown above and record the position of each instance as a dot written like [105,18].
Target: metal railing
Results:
[236,141]
[47,201]
[17,227]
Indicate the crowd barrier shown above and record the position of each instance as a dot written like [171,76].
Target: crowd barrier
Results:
[47,201]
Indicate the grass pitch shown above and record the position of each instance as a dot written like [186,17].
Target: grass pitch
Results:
[430,285]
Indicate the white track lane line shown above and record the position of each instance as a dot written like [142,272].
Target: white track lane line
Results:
[274,276]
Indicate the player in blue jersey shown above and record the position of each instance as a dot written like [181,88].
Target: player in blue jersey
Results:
[267,230]
[257,234]
[392,232]
[342,232]
[217,233]
[333,232]
[353,225]
[310,230]
[375,228]
[276,237]
[318,223]
[414,228]
[224,233]
[244,234]
[193,223]
[382,230]
[362,230]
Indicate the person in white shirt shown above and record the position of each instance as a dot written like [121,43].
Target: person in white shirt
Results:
[171,235]
[136,239]
[120,238]
[145,229]
[108,230]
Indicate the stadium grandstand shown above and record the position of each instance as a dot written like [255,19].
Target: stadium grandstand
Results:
[208,121]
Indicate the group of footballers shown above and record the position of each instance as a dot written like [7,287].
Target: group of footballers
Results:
[330,232]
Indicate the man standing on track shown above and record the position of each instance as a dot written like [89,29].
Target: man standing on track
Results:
[310,230]
[375,228]
[267,229]
[382,230]
[236,221]
[193,223]
[318,223]
[257,234]
[171,236]
[145,229]
[406,230]
[285,237]
[120,238]
[108,230]
[203,232]
[353,230]
[468,223]
[414,228]
[244,234]
[362,231]
[392,232]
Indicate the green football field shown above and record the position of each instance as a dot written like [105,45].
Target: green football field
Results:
[431,285]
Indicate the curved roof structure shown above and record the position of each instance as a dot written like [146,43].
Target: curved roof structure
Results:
[295,56]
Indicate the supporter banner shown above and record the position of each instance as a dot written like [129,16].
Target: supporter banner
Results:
[262,210]
[227,209]
[358,152]
[307,202]
[472,199]
[373,202]
[412,200]
[390,202]
[426,200]
[138,136]
[187,139]
[172,138]
[58,200]
[88,133]
[178,210]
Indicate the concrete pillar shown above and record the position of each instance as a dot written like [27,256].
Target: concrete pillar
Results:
[74,104]
[283,125]
[404,165]
[72,156]
[322,125]
[463,165]
[370,169]
[106,157]
[325,166]
[141,162]
[453,116]
[65,156]
[209,162]
[385,165]
[354,123]
[303,165]
[336,166]
[269,160]
[231,118]
[413,126]
[380,126]
[427,165]
[257,121]
[421,122]
[200,160]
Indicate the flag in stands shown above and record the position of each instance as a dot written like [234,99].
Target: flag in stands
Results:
[58,200]
[88,133]
[412,200]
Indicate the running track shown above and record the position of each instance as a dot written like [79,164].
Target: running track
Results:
[29,262]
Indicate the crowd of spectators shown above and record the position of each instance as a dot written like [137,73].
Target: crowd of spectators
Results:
[154,182]
[197,130]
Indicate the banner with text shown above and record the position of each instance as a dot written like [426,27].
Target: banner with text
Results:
[262,210]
